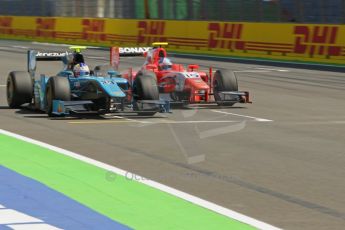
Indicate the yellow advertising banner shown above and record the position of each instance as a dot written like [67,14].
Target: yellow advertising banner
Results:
[294,42]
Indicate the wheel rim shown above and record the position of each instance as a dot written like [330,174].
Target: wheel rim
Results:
[9,91]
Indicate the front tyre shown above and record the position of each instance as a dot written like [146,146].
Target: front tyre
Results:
[224,80]
[58,88]
[145,88]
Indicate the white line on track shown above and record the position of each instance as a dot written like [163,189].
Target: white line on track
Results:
[239,115]
[188,197]
[252,71]
[21,221]
[2,85]
[9,216]
[127,119]
[279,70]
[13,47]
[261,70]
[5,48]
[32,226]
[21,47]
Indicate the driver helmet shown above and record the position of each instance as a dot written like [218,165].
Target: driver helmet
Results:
[165,64]
[81,70]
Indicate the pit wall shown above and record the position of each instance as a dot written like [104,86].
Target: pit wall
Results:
[290,42]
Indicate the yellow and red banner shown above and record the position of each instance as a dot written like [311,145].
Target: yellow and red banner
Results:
[296,42]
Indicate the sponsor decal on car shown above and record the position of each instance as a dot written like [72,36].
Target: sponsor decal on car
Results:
[133,50]
[51,54]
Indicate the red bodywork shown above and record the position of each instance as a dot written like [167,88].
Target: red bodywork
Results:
[182,84]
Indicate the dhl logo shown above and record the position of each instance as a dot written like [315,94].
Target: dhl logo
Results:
[318,40]
[5,21]
[93,29]
[151,31]
[225,36]
[6,25]
[45,27]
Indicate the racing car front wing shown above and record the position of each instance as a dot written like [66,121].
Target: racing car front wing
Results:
[234,96]
[62,108]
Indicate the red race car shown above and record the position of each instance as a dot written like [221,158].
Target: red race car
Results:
[190,85]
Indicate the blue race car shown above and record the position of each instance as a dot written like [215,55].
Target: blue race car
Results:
[102,91]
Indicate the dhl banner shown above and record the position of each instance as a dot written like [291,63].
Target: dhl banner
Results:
[294,42]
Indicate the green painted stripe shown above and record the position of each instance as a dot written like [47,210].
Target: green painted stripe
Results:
[126,201]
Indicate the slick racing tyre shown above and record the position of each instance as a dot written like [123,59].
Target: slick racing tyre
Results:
[145,88]
[19,88]
[58,88]
[224,80]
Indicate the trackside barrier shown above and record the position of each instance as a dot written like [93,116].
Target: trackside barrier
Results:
[294,42]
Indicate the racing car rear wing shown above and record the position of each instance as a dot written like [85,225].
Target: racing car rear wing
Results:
[34,56]
[117,52]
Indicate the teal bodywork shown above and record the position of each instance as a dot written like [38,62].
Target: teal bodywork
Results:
[103,91]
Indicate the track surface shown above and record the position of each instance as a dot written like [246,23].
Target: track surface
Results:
[280,160]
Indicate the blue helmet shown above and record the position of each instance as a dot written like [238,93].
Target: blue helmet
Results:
[81,70]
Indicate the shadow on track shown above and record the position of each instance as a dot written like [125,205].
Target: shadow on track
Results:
[4,107]
[204,106]
[31,113]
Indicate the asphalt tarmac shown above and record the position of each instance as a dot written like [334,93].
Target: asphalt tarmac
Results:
[279,160]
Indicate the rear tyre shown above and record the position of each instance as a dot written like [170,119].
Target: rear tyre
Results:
[19,89]
[58,88]
[145,88]
[224,80]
